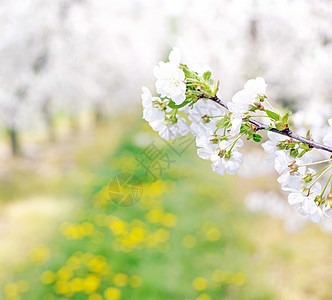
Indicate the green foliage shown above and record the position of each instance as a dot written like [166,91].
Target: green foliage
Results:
[279,122]
[250,132]
[280,126]
[274,116]
[174,106]
[207,75]
[285,118]
[199,87]
[308,135]
[223,122]
[297,149]
[256,137]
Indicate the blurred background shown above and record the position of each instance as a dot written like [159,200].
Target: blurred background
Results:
[94,205]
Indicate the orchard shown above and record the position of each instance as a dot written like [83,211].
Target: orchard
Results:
[155,149]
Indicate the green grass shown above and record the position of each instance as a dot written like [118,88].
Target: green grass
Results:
[189,237]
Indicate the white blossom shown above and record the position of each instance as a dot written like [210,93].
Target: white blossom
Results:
[306,204]
[291,183]
[170,78]
[200,114]
[218,142]
[243,99]
[220,163]
[229,165]
[169,128]
[150,113]
[327,210]
[283,161]
[270,146]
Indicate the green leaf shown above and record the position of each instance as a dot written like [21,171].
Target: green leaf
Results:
[284,119]
[223,122]
[187,72]
[172,104]
[249,135]
[308,135]
[197,92]
[207,75]
[245,129]
[302,153]
[272,115]
[257,138]
[280,126]
[294,152]
[304,146]
[217,88]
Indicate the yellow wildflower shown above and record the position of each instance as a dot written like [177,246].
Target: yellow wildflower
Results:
[112,294]
[135,281]
[120,279]
[189,241]
[48,277]
[200,284]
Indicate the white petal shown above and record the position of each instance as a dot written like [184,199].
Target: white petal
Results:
[157,125]
[218,168]
[328,212]
[232,167]
[317,217]
[294,198]
[236,125]
[257,85]
[175,56]
[183,126]
[204,153]
[309,206]
[178,99]
[327,140]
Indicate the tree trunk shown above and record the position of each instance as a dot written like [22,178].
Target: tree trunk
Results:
[98,116]
[14,142]
[49,120]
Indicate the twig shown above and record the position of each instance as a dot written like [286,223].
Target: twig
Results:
[287,132]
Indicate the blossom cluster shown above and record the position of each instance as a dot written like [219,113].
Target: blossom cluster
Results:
[171,87]
[296,177]
[188,101]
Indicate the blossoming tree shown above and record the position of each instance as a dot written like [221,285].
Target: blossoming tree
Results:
[73,57]
[188,101]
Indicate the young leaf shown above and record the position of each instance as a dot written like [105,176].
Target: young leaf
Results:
[249,134]
[257,138]
[245,129]
[284,119]
[197,92]
[308,135]
[272,115]
[223,122]
[294,153]
[280,126]
[187,72]
[207,75]
[172,104]
[302,153]
[217,88]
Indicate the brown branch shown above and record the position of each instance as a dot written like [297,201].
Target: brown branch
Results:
[287,132]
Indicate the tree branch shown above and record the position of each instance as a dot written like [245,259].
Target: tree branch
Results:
[287,132]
